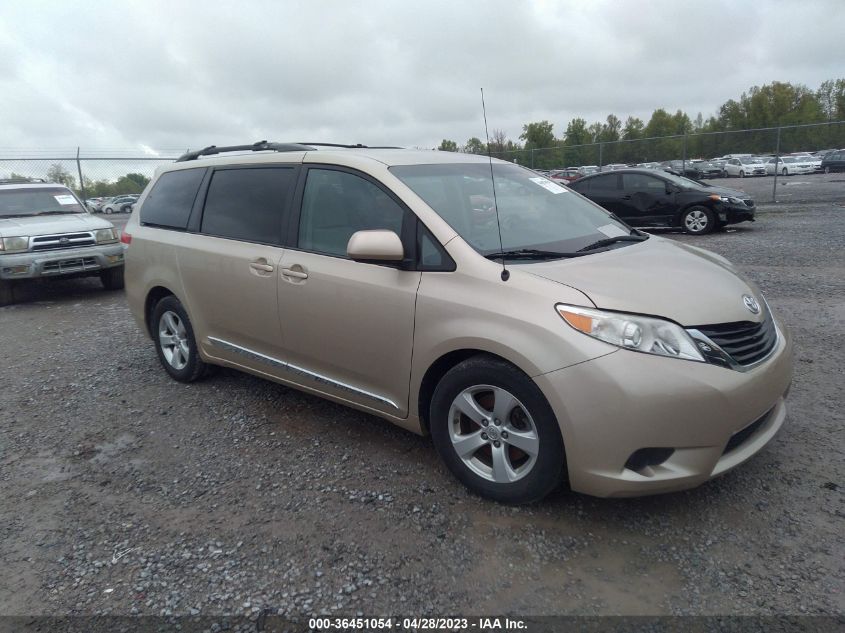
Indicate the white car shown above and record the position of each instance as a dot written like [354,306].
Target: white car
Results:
[746,166]
[789,165]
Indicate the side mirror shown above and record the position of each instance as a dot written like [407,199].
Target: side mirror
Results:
[383,246]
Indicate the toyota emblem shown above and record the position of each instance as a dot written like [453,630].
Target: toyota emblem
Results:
[751,303]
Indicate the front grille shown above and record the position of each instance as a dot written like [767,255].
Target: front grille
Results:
[740,437]
[748,202]
[745,342]
[64,240]
[78,264]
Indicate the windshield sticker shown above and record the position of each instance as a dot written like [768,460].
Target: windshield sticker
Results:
[65,199]
[611,230]
[548,184]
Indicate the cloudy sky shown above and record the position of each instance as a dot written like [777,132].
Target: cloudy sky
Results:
[182,74]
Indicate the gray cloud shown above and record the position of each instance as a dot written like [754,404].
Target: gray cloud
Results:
[187,74]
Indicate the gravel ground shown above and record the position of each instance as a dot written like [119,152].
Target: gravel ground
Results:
[126,492]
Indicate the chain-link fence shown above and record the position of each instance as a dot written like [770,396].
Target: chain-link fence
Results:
[767,142]
[101,173]
[93,174]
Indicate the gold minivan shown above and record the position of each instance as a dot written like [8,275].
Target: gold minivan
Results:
[534,335]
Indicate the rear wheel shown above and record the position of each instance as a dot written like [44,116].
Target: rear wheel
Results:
[495,431]
[741,174]
[698,220]
[112,278]
[827,169]
[174,340]
[785,172]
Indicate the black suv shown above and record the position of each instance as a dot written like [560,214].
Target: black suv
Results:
[643,197]
[834,161]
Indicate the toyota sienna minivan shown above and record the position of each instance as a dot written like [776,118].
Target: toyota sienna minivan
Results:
[534,335]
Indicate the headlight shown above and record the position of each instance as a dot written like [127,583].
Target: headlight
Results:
[14,244]
[729,199]
[631,331]
[104,236]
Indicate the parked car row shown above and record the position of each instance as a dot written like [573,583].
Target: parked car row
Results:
[115,204]
[730,165]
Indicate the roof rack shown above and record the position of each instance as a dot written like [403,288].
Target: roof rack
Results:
[18,181]
[262,146]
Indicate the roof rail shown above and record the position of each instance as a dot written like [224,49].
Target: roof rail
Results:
[261,146]
[18,181]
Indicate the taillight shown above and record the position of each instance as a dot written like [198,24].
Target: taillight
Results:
[125,238]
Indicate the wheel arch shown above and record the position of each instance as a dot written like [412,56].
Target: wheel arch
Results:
[155,294]
[437,369]
[707,204]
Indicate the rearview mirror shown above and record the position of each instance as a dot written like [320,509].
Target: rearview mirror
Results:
[384,246]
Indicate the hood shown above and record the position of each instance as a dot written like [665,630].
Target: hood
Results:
[725,191]
[49,224]
[658,277]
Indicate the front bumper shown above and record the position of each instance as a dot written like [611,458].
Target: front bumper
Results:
[616,405]
[57,263]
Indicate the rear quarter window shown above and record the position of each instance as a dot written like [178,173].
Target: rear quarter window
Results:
[169,203]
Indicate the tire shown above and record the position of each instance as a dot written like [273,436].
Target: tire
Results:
[108,211]
[493,466]
[724,174]
[827,169]
[698,220]
[181,359]
[741,174]
[112,278]
[7,292]
[785,172]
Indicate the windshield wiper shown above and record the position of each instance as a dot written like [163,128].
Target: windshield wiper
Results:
[56,212]
[612,240]
[529,253]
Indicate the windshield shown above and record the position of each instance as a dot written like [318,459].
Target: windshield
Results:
[681,181]
[534,213]
[37,200]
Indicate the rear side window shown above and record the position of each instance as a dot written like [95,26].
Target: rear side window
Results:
[247,204]
[604,183]
[642,182]
[169,203]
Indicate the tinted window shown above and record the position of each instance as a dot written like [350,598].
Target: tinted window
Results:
[642,182]
[336,204]
[430,255]
[604,183]
[247,204]
[170,201]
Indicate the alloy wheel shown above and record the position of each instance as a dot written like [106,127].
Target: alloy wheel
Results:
[173,339]
[696,221]
[493,433]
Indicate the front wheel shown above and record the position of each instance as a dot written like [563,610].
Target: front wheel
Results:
[785,172]
[174,340]
[108,210]
[698,220]
[496,432]
[827,169]
[741,174]
[112,278]
[7,292]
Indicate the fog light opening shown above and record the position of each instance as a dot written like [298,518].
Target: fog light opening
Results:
[643,458]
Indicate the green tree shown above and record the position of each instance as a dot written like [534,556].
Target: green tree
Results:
[140,179]
[475,146]
[448,146]
[57,173]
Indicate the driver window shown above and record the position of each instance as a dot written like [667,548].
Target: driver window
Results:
[336,204]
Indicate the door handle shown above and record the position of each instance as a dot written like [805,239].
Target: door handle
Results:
[626,197]
[266,268]
[297,274]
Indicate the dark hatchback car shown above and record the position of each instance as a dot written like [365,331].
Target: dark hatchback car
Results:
[834,161]
[644,197]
